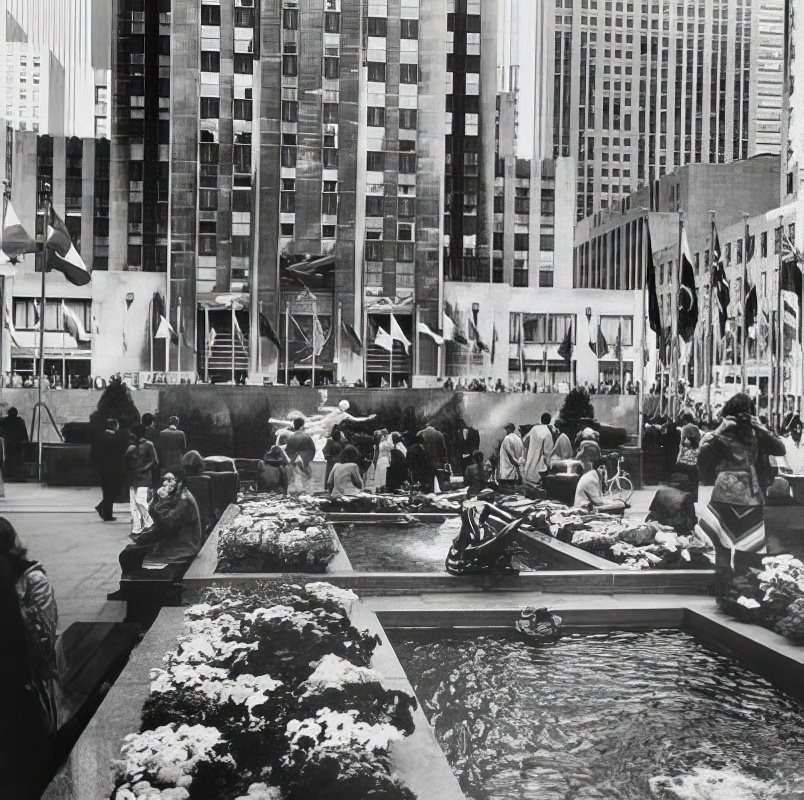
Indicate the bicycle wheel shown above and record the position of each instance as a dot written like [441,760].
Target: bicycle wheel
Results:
[621,488]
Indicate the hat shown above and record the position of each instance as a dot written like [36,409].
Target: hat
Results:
[510,426]
[590,434]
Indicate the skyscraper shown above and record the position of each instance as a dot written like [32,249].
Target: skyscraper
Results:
[640,88]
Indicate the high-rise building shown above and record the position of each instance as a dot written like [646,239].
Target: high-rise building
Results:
[71,40]
[641,87]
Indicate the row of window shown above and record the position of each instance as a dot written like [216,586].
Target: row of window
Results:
[26,313]
[552,328]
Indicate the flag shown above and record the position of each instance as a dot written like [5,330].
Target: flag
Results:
[64,256]
[720,283]
[654,311]
[565,348]
[601,346]
[383,339]
[12,331]
[521,348]
[618,342]
[319,340]
[72,325]
[792,261]
[751,307]
[422,327]
[37,315]
[267,331]
[398,335]
[482,347]
[213,334]
[687,293]
[16,240]
[238,332]
[493,343]
[165,330]
[451,332]
[352,337]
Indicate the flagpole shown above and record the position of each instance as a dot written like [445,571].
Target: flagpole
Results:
[287,343]
[314,338]
[644,332]
[45,220]
[232,310]
[178,337]
[417,316]
[339,343]
[391,357]
[521,348]
[780,322]
[709,337]
[674,319]
[259,338]
[151,335]
[620,353]
[743,294]
[208,347]
[6,200]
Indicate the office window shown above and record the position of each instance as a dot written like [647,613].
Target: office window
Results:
[376,71]
[290,19]
[374,205]
[210,15]
[210,108]
[332,22]
[243,63]
[377,26]
[290,111]
[244,18]
[407,163]
[407,119]
[409,29]
[330,113]
[375,161]
[243,109]
[331,63]
[210,61]
[241,201]
[376,116]
[408,73]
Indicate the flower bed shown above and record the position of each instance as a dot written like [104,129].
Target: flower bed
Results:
[269,695]
[772,596]
[413,503]
[634,545]
[276,534]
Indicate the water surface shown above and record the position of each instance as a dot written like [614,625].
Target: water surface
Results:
[615,716]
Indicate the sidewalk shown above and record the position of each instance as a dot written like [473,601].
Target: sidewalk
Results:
[62,530]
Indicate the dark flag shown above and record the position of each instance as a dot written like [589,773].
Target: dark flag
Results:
[63,255]
[601,346]
[687,294]
[565,348]
[791,267]
[267,330]
[750,291]
[352,337]
[720,283]
[654,311]
[618,342]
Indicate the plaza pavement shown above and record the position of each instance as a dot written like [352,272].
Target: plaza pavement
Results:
[61,529]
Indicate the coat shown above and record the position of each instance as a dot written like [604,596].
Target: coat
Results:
[177,529]
[511,452]
[434,444]
[300,444]
[171,446]
[107,454]
[397,472]
[538,447]
[141,459]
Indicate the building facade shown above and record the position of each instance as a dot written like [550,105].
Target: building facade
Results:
[641,88]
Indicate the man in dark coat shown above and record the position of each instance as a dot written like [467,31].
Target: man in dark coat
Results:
[171,446]
[421,469]
[300,451]
[433,442]
[107,457]
[15,437]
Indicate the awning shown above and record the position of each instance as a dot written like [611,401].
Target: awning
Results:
[211,301]
[33,352]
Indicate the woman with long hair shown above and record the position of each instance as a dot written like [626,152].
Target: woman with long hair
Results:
[30,686]
[735,458]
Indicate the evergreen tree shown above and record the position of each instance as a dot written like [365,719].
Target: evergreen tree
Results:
[115,403]
[577,410]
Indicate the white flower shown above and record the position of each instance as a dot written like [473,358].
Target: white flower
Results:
[333,729]
[261,791]
[334,672]
[169,753]
[322,592]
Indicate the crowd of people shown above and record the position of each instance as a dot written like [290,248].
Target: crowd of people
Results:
[489,384]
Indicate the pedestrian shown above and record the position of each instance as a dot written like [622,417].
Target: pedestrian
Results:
[15,437]
[538,449]
[421,469]
[272,476]
[151,433]
[734,457]
[475,476]
[300,451]
[467,442]
[562,447]
[512,457]
[171,446]
[107,454]
[382,460]
[397,472]
[588,449]
[175,535]
[793,449]
[332,450]
[344,479]
[589,491]
[140,460]
[687,461]
[30,681]
[434,443]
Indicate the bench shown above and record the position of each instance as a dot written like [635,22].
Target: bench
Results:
[146,592]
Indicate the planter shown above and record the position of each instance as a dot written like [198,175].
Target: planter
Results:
[68,465]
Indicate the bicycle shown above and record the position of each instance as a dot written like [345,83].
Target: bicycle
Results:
[619,486]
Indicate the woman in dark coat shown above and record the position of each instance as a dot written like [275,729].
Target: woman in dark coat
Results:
[397,472]
[332,450]
[733,458]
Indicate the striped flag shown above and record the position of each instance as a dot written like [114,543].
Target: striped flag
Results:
[165,330]
[64,257]
[72,325]
[423,327]
[720,282]
[12,331]
[16,240]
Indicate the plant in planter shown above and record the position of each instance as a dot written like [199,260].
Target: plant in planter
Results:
[577,412]
[115,403]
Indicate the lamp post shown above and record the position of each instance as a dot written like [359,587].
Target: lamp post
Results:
[544,359]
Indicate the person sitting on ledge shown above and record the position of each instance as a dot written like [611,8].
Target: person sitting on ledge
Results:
[272,476]
[589,491]
[344,478]
[475,478]
[175,536]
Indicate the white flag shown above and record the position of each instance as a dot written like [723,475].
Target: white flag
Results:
[12,331]
[399,335]
[422,327]
[383,339]
[165,329]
